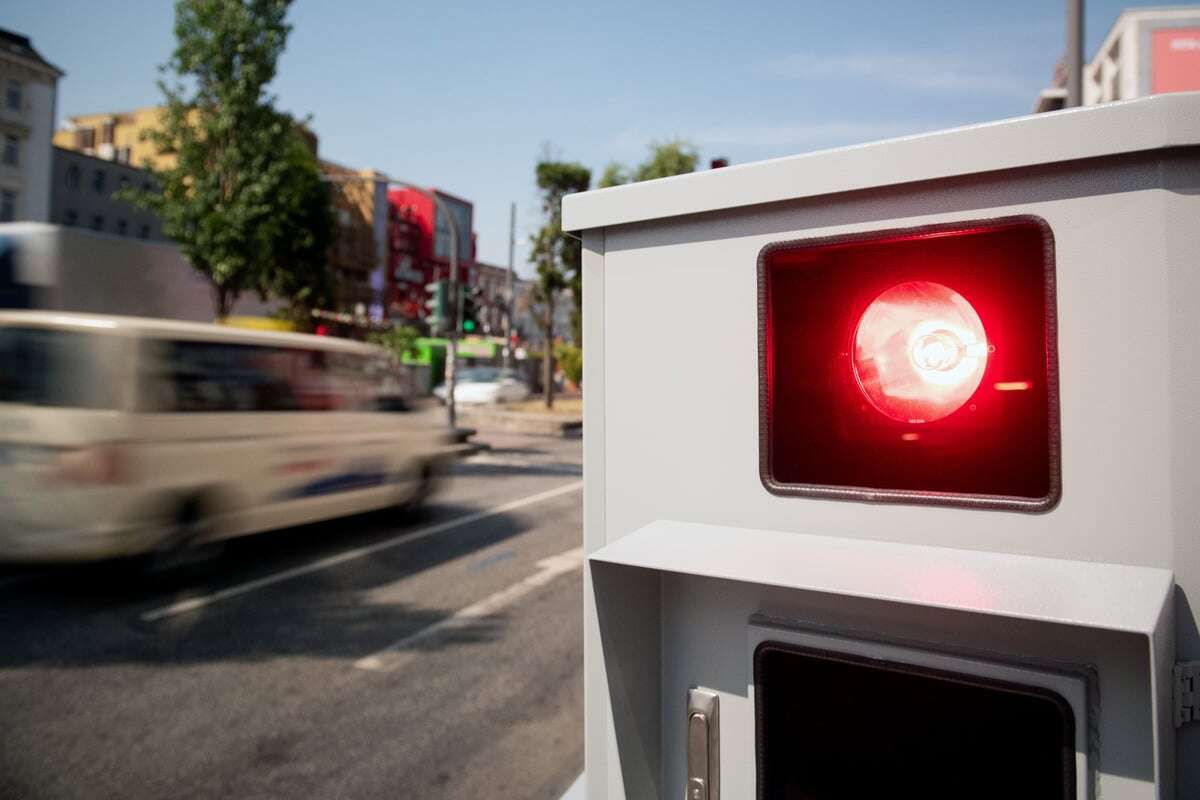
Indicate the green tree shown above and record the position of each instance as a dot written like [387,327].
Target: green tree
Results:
[556,255]
[400,340]
[674,157]
[614,175]
[570,359]
[300,235]
[225,198]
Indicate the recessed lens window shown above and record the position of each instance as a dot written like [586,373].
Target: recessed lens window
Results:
[912,365]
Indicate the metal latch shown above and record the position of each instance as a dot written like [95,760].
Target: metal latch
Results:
[703,746]
[1187,682]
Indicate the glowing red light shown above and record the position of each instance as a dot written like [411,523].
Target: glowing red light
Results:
[919,351]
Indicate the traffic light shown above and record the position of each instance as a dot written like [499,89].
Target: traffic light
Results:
[438,306]
[471,310]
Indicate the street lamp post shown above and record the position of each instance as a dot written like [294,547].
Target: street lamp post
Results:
[508,287]
[456,323]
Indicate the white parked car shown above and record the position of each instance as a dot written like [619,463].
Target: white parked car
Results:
[477,385]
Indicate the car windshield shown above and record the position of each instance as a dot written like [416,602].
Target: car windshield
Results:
[479,375]
[52,367]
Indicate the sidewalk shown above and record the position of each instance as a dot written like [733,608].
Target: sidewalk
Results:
[527,417]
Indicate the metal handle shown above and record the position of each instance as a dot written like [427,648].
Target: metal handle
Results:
[703,746]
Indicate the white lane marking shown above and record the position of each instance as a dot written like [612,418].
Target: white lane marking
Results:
[395,654]
[193,603]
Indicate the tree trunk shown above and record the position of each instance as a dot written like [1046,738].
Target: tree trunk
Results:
[548,354]
[222,300]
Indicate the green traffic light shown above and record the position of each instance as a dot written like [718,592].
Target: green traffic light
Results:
[468,325]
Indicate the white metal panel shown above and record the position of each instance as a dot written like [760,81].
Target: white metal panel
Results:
[681,430]
[705,624]
[1024,587]
[679,426]
[1160,121]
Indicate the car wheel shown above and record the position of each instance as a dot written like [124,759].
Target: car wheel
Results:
[427,484]
[180,546]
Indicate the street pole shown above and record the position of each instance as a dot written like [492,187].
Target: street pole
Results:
[1074,53]
[508,290]
[456,322]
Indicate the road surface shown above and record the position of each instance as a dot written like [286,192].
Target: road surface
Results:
[437,655]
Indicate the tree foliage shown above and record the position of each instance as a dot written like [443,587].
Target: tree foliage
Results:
[614,175]
[570,359]
[238,197]
[674,157]
[300,235]
[556,255]
[400,340]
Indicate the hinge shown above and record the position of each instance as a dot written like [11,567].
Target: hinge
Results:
[1187,696]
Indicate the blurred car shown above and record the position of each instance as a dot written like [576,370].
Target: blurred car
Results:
[123,436]
[478,385]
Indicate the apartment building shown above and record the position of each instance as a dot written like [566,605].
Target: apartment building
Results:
[29,84]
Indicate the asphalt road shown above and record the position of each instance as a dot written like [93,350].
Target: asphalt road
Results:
[437,655]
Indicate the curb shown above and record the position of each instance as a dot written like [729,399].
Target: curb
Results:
[521,422]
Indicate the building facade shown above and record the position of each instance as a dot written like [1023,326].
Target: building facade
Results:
[115,136]
[359,253]
[491,285]
[1147,51]
[29,84]
[419,248]
[83,194]
[121,136]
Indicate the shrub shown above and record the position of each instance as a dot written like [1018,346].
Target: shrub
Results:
[570,360]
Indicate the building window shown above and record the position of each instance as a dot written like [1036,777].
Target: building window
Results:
[73,176]
[97,222]
[122,227]
[85,138]
[8,206]
[98,180]
[12,96]
[10,150]
[123,154]
[70,218]
[106,132]
[144,232]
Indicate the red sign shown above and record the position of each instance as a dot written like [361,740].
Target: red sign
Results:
[1176,60]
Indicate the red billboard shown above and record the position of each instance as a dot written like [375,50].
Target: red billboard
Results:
[1176,60]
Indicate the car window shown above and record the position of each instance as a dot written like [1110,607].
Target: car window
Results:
[62,368]
[478,375]
[191,376]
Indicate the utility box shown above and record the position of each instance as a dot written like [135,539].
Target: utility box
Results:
[919,516]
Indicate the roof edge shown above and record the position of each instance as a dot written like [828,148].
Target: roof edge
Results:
[1128,126]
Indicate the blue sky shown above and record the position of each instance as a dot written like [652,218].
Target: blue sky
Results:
[465,95]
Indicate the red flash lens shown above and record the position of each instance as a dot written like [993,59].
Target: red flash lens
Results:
[912,365]
[919,352]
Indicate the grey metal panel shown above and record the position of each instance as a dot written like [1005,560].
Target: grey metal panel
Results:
[626,761]
[599,740]
[1148,123]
